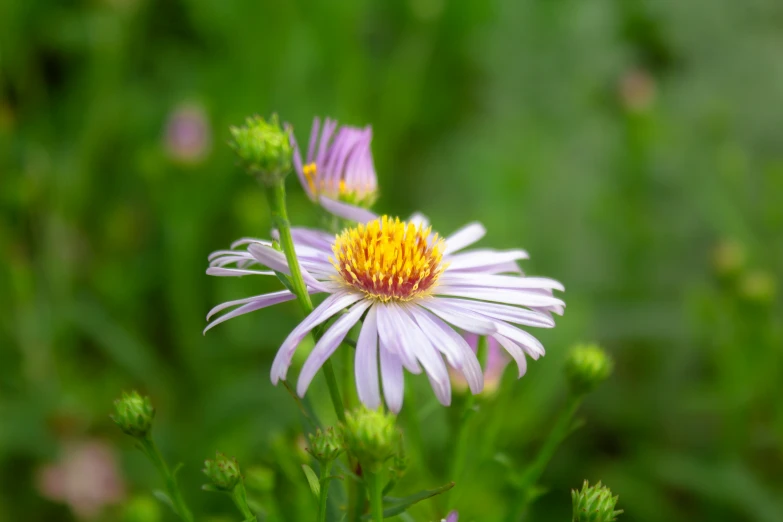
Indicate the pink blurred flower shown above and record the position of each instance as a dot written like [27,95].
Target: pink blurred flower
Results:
[86,478]
[188,136]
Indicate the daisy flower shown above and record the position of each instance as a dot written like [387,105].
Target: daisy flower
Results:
[338,170]
[412,289]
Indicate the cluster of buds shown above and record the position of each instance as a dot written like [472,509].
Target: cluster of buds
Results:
[371,437]
[587,366]
[326,445]
[133,414]
[594,504]
[223,472]
[264,148]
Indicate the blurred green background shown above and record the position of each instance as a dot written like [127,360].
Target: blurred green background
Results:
[633,147]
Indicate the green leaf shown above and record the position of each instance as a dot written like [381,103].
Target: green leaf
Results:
[393,506]
[312,479]
[164,498]
[211,488]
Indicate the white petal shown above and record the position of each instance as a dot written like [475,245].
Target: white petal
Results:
[510,313]
[464,237]
[393,380]
[419,219]
[330,306]
[514,351]
[254,303]
[389,328]
[366,362]
[500,281]
[268,256]
[483,257]
[470,323]
[516,297]
[327,344]
[219,271]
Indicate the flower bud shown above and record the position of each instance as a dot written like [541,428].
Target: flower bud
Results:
[729,257]
[264,148]
[325,446]
[133,414]
[594,504]
[223,472]
[758,287]
[586,367]
[370,436]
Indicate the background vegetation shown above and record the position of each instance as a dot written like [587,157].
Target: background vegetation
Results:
[633,147]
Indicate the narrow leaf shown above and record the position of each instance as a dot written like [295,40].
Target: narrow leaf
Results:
[312,479]
[395,505]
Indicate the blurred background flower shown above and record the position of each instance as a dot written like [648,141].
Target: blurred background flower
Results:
[188,137]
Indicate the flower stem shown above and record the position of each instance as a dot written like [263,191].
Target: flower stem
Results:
[562,428]
[375,486]
[239,496]
[150,449]
[326,468]
[276,196]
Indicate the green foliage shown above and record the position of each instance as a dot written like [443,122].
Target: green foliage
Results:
[594,504]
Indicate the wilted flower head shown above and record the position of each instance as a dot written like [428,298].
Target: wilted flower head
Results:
[222,471]
[86,478]
[188,136]
[594,504]
[338,165]
[587,366]
[414,288]
[496,361]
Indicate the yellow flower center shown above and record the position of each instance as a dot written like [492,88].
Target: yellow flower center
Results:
[389,259]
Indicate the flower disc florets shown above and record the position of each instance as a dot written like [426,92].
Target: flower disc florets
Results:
[389,259]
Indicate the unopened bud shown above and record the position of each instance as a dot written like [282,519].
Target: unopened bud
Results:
[264,148]
[370,436]
[587,366]
[594,504]
[758,287]
[223,472]
[133,414]
[325,446]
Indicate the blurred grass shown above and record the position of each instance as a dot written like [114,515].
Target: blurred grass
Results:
[633,147]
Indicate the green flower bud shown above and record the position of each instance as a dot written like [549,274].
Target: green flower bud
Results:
[594,504]
[325,446]
[586,367]
[370,436]
[223,472]
[133,414]
[264,148]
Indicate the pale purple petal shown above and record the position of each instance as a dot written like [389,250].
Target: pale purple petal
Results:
[330,306]
[514,351]
[346,211]
[452,345]
[393,380]
[389,327]
[452,517]
[500,281]
[482,258]
[326,346]
[235,272]
[453,315]
[258,303]
[313,139]
[430,359]
[366,363]
[515,297]
[313,238]
[464,237]
[503,312]
[268,256]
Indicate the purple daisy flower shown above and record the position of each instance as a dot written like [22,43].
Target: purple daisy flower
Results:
[338,167]
[413,289]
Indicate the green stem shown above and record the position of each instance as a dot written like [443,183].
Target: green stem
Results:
[276,196]
[561,429]
[150,449]
[375,486]
[355,500]
[239,496]
[325,481]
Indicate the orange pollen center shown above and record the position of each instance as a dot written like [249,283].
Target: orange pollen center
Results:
[389,259]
